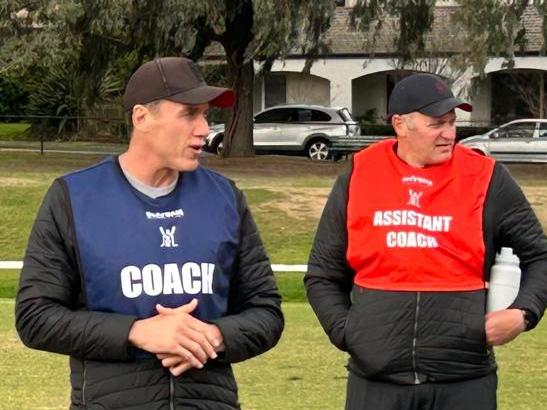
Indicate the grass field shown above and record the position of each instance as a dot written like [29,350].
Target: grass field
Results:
[13,131]
[304,371]
[286,231]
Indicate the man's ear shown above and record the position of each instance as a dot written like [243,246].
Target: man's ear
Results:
[140,117]
[399,124]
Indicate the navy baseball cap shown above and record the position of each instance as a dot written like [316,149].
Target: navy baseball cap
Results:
[177,79]
[424,93]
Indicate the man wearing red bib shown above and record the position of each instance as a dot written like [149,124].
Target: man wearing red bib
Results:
[398,270]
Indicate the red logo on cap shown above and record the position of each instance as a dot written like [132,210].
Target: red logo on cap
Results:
[440,87]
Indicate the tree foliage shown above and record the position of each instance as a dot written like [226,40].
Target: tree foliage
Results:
[491,28]
[414,20]
[95,37]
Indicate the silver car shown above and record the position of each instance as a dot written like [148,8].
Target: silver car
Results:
[517,141]
[295,128]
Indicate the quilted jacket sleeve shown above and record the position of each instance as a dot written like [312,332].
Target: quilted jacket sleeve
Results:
[515,225]
[49,311]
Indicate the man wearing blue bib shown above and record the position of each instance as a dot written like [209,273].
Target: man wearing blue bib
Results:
[147,269]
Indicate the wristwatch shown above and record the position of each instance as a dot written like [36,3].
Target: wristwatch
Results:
[527,315]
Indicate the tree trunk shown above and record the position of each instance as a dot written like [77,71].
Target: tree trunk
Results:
[238,137]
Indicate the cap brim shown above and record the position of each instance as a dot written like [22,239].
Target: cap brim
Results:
[442,107]
[215,96]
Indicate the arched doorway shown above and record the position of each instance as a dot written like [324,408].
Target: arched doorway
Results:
[370,93]
[506,95]
[518,94]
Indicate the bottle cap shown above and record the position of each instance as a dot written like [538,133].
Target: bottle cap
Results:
[506,255]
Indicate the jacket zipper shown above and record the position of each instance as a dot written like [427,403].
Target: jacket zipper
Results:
[416,378]
[171,393]
[83,382]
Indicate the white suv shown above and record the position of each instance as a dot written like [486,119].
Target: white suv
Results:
[295,128]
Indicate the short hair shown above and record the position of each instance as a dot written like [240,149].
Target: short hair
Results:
[409,121]
[152,106]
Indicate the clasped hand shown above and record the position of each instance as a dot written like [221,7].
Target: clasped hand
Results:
[177,338]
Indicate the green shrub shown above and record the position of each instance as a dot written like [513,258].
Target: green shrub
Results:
[13,97]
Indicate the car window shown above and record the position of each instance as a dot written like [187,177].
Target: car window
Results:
[276,115]
[543,130]
[303,115]
[320,116]
[521,130]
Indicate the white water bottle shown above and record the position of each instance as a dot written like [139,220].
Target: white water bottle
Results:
[504,281]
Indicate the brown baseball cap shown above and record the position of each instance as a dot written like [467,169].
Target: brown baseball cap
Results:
[177,79]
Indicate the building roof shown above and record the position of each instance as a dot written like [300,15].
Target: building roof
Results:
[445,36]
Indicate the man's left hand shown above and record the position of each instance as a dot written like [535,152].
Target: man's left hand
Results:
[502,326]
[177,364]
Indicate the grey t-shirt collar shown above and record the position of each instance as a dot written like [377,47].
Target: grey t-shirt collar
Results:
[150,191]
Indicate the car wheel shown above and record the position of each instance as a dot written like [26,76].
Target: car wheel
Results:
[318,150]
[218,145]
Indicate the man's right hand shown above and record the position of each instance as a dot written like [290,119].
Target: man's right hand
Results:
[175,364]
[177,333]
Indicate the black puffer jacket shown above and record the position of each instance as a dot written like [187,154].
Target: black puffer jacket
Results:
[415,337]
[51,315]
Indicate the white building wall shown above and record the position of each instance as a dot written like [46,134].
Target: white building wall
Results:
[340,72]
[258,94]
[482,103]
[531,63]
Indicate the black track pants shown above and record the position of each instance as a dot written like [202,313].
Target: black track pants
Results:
[474,394]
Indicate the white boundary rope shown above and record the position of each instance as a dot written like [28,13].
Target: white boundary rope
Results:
[11,265]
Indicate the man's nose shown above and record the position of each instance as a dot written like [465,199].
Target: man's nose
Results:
[449,132]
[202,128]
